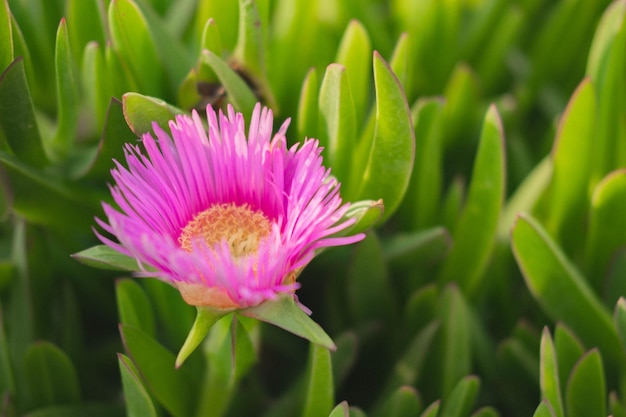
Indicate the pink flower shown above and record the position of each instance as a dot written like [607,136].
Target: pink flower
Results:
[228,219]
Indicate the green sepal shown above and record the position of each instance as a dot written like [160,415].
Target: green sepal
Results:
[206,317]
[104,257]
[286,314]
[141,111]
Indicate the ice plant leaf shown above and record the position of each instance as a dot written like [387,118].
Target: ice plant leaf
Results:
[308,123]
[85,20]
[341,410]
[104,257]
[133,41]
[404,402]
[337,121]
[286,314]
[134,307]
[389,162]
[67,84]
[18,126]
[544,410]
[619,317]
[141,111]
[549,275]
[549,379]
[475,232]
[586,388]
[205,319]
[462,398]
[51,378]
[138,401]
[400,62]
[568,351]
[320,391]
[6,36]
[239,93]
[366,214]
[95,81]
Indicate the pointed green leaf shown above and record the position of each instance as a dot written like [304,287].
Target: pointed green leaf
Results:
[85,21]
[18,126]
[607,225]
[456,339]
[133,41]
[249,50]
[134,307]
[6,36]
[544,410]
[525,196]
[486,412]
[102,256]
[423,247]
[238,91]
[141,111]
[51,379]
[549,275]
[320,391]
[286,314]
[389,163]
[570,177]
[432,410]
[342,410]
[461,400]
[463,108]
[568,351]
[354,54]
[400,62]
[619,317]
[549,379]
[370,296]
[172,387]
[475,233]
[616,408]
[586,388]
[308,113]
[67,85]
[337,121]
[205,319]
[138,401]
[121,79]
[421,203]
[211,38]
[95,82]
[404,402]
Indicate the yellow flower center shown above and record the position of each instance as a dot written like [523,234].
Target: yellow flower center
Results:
[240,226]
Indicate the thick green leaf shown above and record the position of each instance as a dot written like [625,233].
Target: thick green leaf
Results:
[463,108]
[549,275]
[238,91]
[544,410]
[121,79]
[95,81]
[461,400]
[308,113]
[51,379]
[573,145]
[486,412]
[141,111]
[387,169]
[476,230]
[404,402]
[342,410]
[456,339]
[607,226]
[619,317]
[337,121]
[549,379]
[286,314]
[320,391]
[586,388]
[6,36]
[67,85]
[421,307]
[568,351]
[353,54]
[138,401]
[85,22]
[370,295]
[432,410]
[420,205]
[606,66]
[210,38]
[616,408]
[18,126]
[102,256]
[250,49]
[423,247]
[133,41]
[525,196]
[7,378]
[400,62]
[172,387]
[134,307]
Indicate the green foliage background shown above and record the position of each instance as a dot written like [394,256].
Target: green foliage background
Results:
[494,131]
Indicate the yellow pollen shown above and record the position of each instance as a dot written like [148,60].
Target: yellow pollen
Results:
[241,227]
